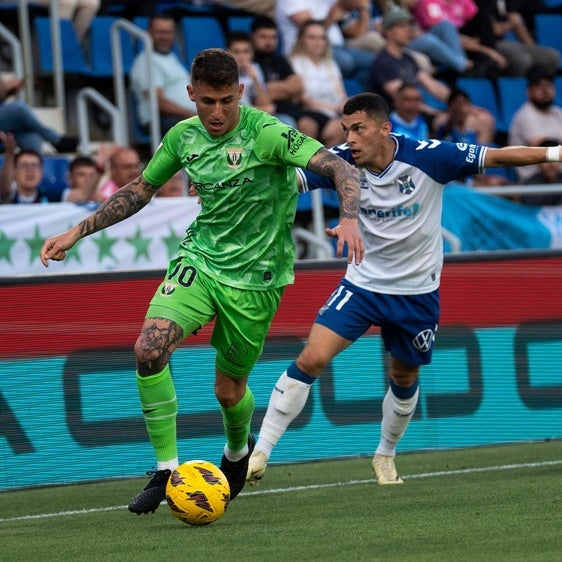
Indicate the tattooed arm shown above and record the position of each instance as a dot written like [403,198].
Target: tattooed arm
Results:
[124,203]
[346,179]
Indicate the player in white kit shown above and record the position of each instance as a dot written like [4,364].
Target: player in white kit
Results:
[396,286]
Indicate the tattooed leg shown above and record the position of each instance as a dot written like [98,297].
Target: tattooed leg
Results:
[158,339]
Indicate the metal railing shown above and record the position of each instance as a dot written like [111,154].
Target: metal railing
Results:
[91,95]
[17,55]
[119,78]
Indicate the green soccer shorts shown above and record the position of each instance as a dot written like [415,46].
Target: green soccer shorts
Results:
[192,299]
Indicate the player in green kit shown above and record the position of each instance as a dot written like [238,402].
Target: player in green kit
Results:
[234,261]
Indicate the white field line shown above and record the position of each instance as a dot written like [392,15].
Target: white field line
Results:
[309,487]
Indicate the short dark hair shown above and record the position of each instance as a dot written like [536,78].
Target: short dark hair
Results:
[262,22]
[161,16]
[28,152]
[215,67]
[81,161]
[372,104]
[237,36]
[457,93]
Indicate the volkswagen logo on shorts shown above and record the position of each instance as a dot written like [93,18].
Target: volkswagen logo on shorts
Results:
[424,340]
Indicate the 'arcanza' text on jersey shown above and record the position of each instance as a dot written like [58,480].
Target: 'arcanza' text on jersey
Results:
[400,213]
[247,184]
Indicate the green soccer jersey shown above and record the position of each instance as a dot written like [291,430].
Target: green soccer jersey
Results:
[247,184]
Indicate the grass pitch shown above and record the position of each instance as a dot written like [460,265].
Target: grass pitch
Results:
[499,503]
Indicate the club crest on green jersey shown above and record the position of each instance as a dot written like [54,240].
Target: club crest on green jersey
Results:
[234,157]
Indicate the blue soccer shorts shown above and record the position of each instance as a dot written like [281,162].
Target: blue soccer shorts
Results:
[408,323]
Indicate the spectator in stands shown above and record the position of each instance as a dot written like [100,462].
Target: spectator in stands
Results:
[406,118]
[239,45]
[124,167]
[83,179]
[80,12]
[21,174]
[18,118]
[128,9]
[486,60]
[538,118]
[394,66]
[464,122]
[283,85]
[176,186]
[292,14]
[324,90]
[170,78]
[256,7]
[549,173]
[441,43]
[522,52]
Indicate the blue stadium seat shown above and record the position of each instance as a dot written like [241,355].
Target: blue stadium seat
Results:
[512,93]
[54,182]
[548,31]
[240,23]
[73,57]
[353,86]
[138,136]
[482,93]
[100,41]
[201,33]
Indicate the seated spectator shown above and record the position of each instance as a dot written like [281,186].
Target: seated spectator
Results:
[292,14]
[324,90]
[283,85]
[406,118]
[441,43]
[463,122]
[18,118]
[394,66]
[548,173]
[462,14]
[169,75]
[176,186]
[124,167]
[83,179]
[80,12]
[239,45]
[21,174]
[521,53]
[538,118]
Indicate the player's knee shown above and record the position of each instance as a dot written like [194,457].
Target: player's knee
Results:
[404,378]
[150,359]
[311,362]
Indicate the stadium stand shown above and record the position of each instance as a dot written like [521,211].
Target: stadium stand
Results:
[548,31]
[200,33]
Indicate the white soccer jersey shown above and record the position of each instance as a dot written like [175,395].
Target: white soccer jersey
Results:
[400,216]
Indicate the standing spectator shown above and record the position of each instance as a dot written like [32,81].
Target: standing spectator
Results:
[292,14]
[406,118]
[239,45]
[124,167]
[169,75]
[538,118]
[324,89]
[283,84]
[21,174]
[82,182]
[18,118]
[549,173]
[394,66]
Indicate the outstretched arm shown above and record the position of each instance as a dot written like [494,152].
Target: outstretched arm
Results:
[521,156]
[346,180]
[124,203]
